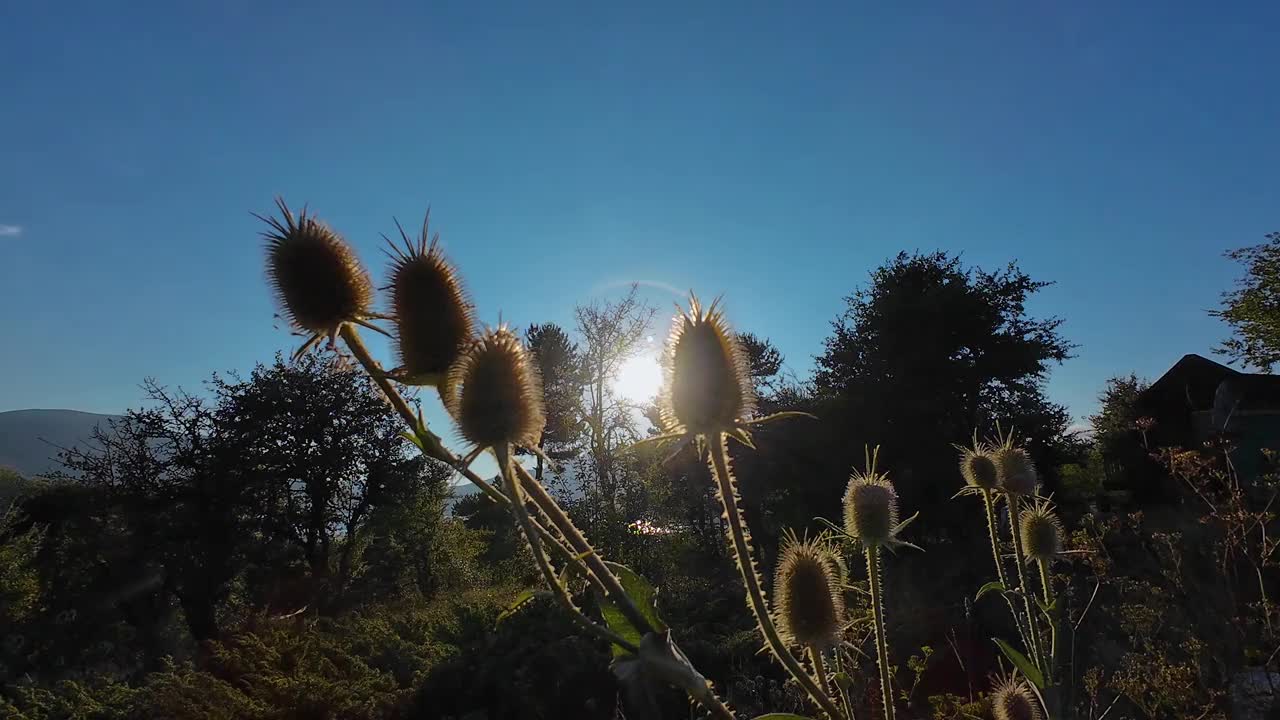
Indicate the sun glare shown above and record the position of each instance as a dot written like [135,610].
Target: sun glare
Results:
[639,378]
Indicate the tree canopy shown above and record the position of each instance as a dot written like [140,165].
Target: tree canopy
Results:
[930,351]
[1252,310]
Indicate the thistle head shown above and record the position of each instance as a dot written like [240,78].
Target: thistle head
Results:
[978,468]
[808,602]
[494,393]
[433,315]
[871,507]
[1015,472]
[317,278]
[1012,699]
[1040,531]
[708,387]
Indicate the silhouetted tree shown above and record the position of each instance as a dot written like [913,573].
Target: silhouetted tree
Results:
[275,481]
[174,478]
[322,450]
[1114,426]
[1117,438]
[611,332]
[560,363]
[931,350]
[764,360]
[1252,310]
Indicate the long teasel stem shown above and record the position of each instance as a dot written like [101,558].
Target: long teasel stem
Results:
[613,587]
[562,522]
[598,571]
[840,685]
[1044,582]
[819,669]
[1033,627]
[356,345]
[1053,629]
[877,616]
[747,567]
[992,531]
[518,509]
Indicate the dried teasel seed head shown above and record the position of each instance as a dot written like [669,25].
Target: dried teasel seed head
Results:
[1013,700]
[708,387]
[494,392]
[978,469]
[433,315]
[1040,531]
[1015,472]
[808,602]
[870,508]
[317,278]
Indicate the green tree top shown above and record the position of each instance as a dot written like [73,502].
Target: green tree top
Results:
[1253,308]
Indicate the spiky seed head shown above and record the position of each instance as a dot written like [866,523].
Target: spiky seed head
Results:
[1015,472]
[807,596]
[1013,700]
[317,278]
[433,315]
[870,508]
[708,387]
[494,392]
[1040,531]
[978,469]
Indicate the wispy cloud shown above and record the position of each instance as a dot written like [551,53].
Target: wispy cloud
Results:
[1081,429]
[10,230]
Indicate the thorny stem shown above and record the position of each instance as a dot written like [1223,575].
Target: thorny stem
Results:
[579,543]
[431,445]
[877,616]
[1044,582]
[747,568]
[995,555]
[819,670]
[526,525]
[1020,560]
[598,571]
[840,688]
[1053,626]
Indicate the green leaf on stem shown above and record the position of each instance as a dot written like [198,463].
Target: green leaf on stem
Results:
[521,600]
[993,586]
[1047,609]
[1020,661]
[780,716]
[645,599]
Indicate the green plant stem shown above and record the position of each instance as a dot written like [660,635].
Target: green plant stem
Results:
[1019,558]
[819,670]
[746,565]
[995,555]
[995,536]
[595,569]
[1044,583]
[431,445]
[840,688]
[877,616]
[562,522]
[548,575]
[1053,627]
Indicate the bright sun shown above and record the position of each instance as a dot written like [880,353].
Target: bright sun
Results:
[639,379]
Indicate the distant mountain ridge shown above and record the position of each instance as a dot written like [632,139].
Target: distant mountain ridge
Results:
[30,439]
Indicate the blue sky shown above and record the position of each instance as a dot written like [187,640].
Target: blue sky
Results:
[1115,148]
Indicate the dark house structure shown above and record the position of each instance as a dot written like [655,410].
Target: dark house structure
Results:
[1199,399]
